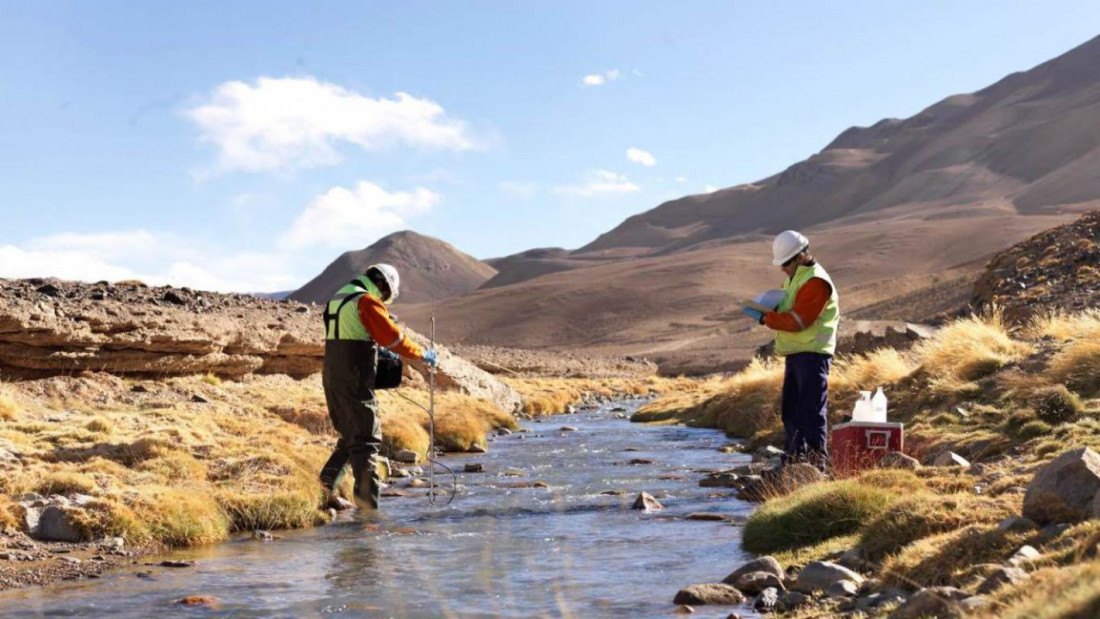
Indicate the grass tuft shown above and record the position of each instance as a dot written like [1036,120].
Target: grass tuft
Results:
[969,349]
[9,409]
[813,514]
[65,482]
[924,514]
[1056,404]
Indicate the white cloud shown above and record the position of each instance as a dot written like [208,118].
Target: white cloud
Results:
[599,79]
[638,155]
[355,217]
[709,189]
[681,179]
[156,259]
[518,189]
[600,182]
[290,123]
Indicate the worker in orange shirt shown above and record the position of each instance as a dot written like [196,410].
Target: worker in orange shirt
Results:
[358,328]
[805,322]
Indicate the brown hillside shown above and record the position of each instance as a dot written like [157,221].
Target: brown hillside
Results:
[1055,270]
[904,214]
[430,269]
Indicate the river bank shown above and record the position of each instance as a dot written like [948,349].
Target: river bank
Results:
[543,526]
[993,510]
[154,464]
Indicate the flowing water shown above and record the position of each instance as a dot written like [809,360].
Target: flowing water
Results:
[496,550]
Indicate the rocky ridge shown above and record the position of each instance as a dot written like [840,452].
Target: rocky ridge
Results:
[1058,269]
[50,327]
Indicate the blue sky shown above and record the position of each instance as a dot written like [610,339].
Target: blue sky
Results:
[244,145]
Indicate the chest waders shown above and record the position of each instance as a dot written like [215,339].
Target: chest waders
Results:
[351,361]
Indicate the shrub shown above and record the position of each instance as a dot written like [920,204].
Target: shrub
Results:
[969,349]
[1033,429]
[101,425]
[866,372]
[812,514]
[1078,365]
[211,379]
[1056,404]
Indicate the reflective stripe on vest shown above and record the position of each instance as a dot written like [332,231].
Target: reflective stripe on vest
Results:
[820,337]
[345,316]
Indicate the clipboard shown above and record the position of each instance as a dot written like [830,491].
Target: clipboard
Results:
[754,305]
[766,302]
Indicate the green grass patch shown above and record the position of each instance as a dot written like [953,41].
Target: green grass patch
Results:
[813,514]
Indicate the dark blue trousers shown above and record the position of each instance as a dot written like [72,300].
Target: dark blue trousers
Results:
[805,401]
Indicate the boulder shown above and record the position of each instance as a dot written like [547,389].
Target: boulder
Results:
[1096,505]
[950,458]
[1002,576]
[646,502]
[755,582]
[820,575]
[1065,489]
[880,598]
[1023,555]
[853,559]
[473,467]
[1015,523]
[842,589]
[764,564]
[792,601]
[974,604]
[766,453]
[766,601]
[407,456]
[940,602]
[710,593]
[31,517]
[898,460]
[56,526]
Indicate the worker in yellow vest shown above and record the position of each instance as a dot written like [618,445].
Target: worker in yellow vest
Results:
[805,324]
[358,328]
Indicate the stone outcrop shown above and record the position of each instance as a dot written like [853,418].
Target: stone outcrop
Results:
[1045,273]
[50,327]
[1065,489]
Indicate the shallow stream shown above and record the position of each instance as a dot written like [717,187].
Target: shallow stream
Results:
[497,550]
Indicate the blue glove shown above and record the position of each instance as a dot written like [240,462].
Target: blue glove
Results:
[389,354]
[430,359]
[756,315]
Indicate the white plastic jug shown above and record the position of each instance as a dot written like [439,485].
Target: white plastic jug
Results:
[870,408]
[878,403]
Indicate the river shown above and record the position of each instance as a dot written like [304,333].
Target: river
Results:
[566,550]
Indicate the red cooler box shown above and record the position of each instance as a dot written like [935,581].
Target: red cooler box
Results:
[860,445]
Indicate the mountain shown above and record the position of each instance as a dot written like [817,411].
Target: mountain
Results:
[430,269]
[903,213]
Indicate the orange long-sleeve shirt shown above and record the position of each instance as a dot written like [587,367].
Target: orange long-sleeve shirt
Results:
[808,305]
[376,320]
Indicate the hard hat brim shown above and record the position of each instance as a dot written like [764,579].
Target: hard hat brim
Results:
[779,261]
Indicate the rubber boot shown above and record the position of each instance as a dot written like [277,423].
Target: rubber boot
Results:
[367,487]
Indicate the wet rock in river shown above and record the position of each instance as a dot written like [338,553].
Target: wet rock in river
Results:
[199,600]
[766,453]
[177,564]
[640,461]
[646,502]
[709,593]
[567,429]
[766,601]
[706,516]
[473,467]
[405,455]
[263,536]
[756,582]
[766,564]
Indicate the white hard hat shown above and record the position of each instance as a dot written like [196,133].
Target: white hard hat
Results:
[393,280]
[787,245]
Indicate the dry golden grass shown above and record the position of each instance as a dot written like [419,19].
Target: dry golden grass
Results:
[741,405]
[874,369]
[813,514]
[1064,326]
[922,514]
[968,349]
[551,396]
[9,409]
[8,519]
[1051,593]
[165,470]
[955,559]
